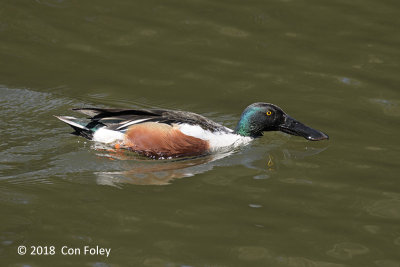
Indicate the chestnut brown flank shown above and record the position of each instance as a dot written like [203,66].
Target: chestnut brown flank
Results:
[162,140]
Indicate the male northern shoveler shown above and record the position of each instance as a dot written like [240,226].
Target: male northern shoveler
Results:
[161,133]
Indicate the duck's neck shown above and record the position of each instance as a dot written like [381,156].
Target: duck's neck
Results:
[245,127]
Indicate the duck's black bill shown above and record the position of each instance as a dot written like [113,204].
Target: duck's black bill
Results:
[294,127]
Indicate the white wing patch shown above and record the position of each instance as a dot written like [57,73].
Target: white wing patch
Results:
[217,140]
[131,123]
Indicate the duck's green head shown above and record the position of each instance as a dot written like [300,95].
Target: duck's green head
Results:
[261,117]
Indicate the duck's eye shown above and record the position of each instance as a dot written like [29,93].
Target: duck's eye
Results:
[269,113]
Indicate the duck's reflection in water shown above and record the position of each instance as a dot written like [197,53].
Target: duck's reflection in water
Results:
[156,172]
[140,171]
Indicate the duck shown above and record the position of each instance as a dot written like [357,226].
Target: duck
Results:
[163,133]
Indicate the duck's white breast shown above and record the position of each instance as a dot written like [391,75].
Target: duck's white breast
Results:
[216,140]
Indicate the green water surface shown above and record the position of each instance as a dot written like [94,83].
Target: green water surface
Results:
[281,201]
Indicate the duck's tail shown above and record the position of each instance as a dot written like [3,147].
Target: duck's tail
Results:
[79,125]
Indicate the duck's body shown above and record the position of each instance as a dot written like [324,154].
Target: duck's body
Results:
[160,133]
[155,133]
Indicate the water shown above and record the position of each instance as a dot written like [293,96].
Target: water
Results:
[281,201]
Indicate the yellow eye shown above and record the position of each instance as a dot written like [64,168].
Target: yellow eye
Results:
[269,113]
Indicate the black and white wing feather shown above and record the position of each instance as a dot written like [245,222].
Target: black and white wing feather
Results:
[121,119]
